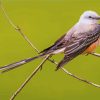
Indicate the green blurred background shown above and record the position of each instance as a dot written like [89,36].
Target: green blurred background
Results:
[44,21]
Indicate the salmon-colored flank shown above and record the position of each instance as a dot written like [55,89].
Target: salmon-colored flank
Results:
[92,47]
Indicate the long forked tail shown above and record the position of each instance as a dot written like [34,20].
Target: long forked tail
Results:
[17,64]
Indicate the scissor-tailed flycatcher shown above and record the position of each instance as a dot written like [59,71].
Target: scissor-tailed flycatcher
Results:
[83,37]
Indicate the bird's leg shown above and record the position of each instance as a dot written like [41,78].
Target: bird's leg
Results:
[86,54]
[95,54]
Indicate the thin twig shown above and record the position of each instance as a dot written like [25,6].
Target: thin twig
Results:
[95,54]
[83,80]
[17,28]
[7,17]
[29,78]
[74,76]
[34,72]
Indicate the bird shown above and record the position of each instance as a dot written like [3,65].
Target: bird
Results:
[82,38]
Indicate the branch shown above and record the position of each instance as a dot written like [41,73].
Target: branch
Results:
[74,76]
[29,78]
[81,79]
[95,54]
[17,28]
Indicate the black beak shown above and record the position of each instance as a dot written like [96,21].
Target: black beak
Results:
[97,18]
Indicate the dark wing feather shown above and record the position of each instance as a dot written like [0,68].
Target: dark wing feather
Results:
[57,45]
[79,45]
[60,43]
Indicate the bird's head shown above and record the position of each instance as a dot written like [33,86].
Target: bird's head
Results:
[89,17]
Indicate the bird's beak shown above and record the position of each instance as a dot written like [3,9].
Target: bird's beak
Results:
[97,18]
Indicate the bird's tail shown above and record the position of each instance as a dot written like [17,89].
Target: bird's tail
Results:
[17,64]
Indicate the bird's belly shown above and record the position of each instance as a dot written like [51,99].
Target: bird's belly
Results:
[59,51]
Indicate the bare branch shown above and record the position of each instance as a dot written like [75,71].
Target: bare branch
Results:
[83,80]
[7,17]
[36,70]
[17,28]
[28,78]
[95,54]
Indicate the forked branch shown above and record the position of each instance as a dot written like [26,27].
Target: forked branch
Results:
[28,78]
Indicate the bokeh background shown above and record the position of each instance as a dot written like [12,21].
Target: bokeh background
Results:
[44,21]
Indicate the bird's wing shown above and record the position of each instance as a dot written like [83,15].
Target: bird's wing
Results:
[79,44]
[60,43]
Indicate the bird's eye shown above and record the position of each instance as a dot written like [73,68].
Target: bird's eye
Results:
[90,17]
